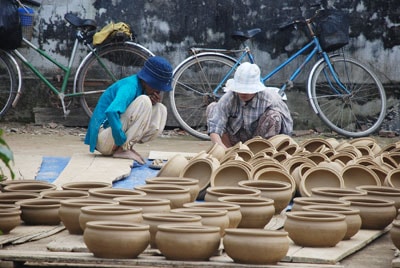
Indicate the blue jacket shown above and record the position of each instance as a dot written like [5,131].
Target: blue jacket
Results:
[112,103]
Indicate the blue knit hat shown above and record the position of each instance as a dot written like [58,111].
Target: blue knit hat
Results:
[157,73]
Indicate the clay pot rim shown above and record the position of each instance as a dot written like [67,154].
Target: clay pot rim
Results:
[315,216]
[307,200]
[221,168]
[78,185]
[171,180]
[177,217]
[114,191]
[82,202]
[226,206]
[143,200]
[368,201]
[5,207]
[4,213]
[39,203]
[381,190]
[162,188]
[217,190]
[335,191]
[247,200]
[111,209]
[120,225]
[17,181]
[187,228]
[177,160]
[21,187]
[307,191]
[334,209]
[255,232]
[63,193]
[206,212]
[281,185]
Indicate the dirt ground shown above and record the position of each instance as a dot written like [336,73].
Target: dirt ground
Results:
[56,140]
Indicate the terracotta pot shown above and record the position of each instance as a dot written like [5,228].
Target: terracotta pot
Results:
[190,242]
[30,187]
[178,195]
[173,167]
[335,192]
[318,177]
[256,242]
[385,162]
[70,209]
[273,174]
[300,202]
[343,157]
[110,193]
[216,150]
[209,216]
[393,178]
[229,174]
[315,145]
[317,157]
[7,182]
[257,144]
[357,175]
[315,229]
[9,207]
[85,185]
[156,219]
[200,169]
[213,193]
[63,194]
[116,240]
[395,233]
[193,184]
[280,192]
[295,162]
[109,213]
[333,142]
[233,210]
[375,213]
[280,141]
[245,155]
[381,173]
[12,197]
[40,211]
[148,204]
[265,163]
[281,156]
[335,165]
[9,219]
[382,192]
[352,217]
[256,211]
[299,171]
[292,149]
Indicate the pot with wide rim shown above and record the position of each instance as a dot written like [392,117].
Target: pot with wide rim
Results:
[13,197]
[299,202]
[177,194]
[85,185]
[274,174]
[40,211]
[63,194]
[393,178]
[382,192]
[173,166]
[318,177]
[335,192]
[30,187]
[357,175]
[213,193]
[9,219]
[193,184]
[258,143]
[229,174]
[110,193]
[148,204]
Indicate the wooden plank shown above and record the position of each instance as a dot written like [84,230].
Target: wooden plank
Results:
[167,155]
[94,167]
[25,233]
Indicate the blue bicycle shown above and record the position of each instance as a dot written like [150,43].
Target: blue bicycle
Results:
[344,93]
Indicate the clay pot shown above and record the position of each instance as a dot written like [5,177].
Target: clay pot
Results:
[352,217]
[257,144]
[335,165]
[178,195]
[280,141]
[7,182]
[187,242]
[213,193]
[116,240]
[317,157]
[335,192]
[209,216]
[280,192]
[315,229]
[393,178]
[40,211]
[300,202]
[156,219]
[216,150]
[12,197]
[30,187]
[85,185]
[233,210]
[148,204]
[110,193]
[193,184]
[382,192]
[265,163]
[229,174]
[173,167]
[343,157]
[357,175]
[9,219]
[256,211]
[262,246]
[200,169]
[273,174]
[381,173]
[63,194]
[109,213]
[375,213]
[298,172]
[70,209]
[317,177]
[9,207]
[395,233]
[315,145]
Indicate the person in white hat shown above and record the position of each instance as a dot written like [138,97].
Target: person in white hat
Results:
[247,109]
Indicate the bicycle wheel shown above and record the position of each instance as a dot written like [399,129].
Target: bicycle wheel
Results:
[8,85]
[357,113]
[115,61]
[192,90]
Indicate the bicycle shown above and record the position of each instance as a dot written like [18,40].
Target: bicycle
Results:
[346,95]
[103,65]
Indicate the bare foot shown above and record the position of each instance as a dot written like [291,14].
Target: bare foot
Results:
[129,154]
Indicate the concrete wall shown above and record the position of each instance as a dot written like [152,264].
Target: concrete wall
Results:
[170,28]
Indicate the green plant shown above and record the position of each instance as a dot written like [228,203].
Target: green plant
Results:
[6,156]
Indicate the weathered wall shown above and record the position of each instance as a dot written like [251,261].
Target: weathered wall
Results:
[169,28]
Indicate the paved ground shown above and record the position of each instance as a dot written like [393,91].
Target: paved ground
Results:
[55,140]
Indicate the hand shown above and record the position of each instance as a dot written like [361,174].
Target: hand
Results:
[155,97]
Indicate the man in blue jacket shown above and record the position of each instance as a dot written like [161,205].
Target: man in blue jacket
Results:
[130,111]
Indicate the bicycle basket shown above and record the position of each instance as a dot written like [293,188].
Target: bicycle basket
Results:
[332,29]
[26,16]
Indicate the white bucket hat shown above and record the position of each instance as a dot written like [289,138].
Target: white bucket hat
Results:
[246,80]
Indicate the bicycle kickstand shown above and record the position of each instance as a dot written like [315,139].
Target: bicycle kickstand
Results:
[66,112]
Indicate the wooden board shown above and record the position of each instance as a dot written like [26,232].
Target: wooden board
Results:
[94,167]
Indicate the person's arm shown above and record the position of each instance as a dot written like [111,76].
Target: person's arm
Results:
[217,139]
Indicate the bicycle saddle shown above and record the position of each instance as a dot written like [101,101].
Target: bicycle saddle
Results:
[77,22]
[245,35]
